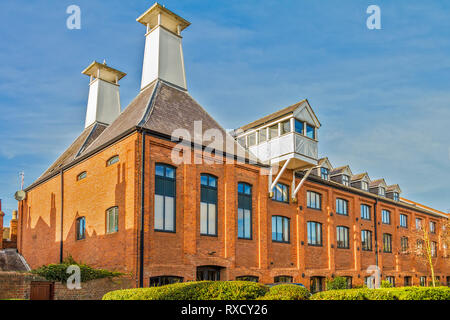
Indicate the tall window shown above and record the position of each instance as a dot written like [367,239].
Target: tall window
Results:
[281,193]
[324,173]
[342,207]
[342,237]
[433,249]
[382,191]
[208,205]
[432,227]
[314,233]
[112,220]
[244,211]
[404,244]
[345,180]
[423,281]
[280,229]
[165,193]
[81,228]
[286,127]
[387,243]
[251,138]
[317,284]
[314,200]
[418,223]
[366,240]
[112,161]
[365,212]
[408,281]
[403,221]
[386,216]
[298,126]
[396,196]
[310,131]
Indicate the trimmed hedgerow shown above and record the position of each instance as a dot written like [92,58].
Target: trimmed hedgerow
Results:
[58,272]
[286,292]
[404,293]
[203,290]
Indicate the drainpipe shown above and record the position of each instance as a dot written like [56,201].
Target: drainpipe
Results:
[61,249]
[141,244]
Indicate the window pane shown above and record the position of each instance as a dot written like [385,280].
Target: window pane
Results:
[274,228]
[170,172]
[251,139]
[212,219]
[273,131]
[286,230]
[240,188]
[298,126]
[248,189]
[279,229]
[204,180]
[248,224]
[203,218]
[310,131]
[159,212]
[262,135]
[212,182]
[240,223]
[286,127]
[169,214]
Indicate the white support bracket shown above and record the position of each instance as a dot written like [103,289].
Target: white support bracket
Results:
[274,183]
[297,189]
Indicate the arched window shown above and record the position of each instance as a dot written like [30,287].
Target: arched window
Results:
[112,161]
[112,220]
[244,211]
[208,205]
[366,240]
[314,233]
[165,195]
[82,176]
[342,235]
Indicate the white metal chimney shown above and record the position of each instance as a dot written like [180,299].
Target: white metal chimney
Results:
[104,98]
[163,57]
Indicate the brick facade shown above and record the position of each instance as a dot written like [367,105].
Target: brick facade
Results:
[181,252]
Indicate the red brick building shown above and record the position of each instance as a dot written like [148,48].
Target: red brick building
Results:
[144,191]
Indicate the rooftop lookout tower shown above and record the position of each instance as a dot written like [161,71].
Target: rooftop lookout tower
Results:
[287,138]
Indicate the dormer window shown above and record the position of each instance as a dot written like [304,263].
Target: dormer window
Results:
[310,131]
[396,196]
[324,173]
[299,126]
[365,186]
[382,191]
[345,180]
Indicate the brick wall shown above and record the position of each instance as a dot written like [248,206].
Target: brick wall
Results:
[17,286]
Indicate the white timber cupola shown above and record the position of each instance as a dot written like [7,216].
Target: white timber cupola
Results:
[104,98]
[163,56]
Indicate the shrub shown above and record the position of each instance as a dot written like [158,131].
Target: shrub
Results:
[338,283]
[286,292]
[404,293]
[204,290]
[58,272]
[386,284]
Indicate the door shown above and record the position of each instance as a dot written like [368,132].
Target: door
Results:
[210,273]
[41,290]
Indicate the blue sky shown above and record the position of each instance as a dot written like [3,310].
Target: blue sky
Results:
[383,96]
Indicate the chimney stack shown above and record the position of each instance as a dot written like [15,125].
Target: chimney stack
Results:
[163,57]
[104,98]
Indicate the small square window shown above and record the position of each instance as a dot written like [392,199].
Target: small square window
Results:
[310,131]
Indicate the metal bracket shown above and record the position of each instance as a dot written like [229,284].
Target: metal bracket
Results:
[297,189]
[274,183]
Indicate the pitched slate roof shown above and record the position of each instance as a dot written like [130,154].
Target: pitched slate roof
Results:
[340,170]
[377,183]
[359,176]
[160,108]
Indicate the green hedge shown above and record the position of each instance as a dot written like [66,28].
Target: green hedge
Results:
[404,293]
[286,292]
[58,272]
[204,290]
